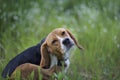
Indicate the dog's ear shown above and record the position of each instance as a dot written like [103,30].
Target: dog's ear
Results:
[45,56]
[74,39]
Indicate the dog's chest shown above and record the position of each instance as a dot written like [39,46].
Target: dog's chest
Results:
[55,61]
[66,63]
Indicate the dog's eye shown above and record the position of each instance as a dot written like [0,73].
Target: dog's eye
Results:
[54,41]
[63,33]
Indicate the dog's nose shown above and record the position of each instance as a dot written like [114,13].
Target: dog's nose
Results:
[66,41]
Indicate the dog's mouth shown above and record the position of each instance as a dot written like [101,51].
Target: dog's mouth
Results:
[69,46]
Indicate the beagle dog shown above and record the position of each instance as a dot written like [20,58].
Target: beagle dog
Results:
[54,51]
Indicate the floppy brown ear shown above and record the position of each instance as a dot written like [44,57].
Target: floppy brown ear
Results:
[75,41]
[45,57]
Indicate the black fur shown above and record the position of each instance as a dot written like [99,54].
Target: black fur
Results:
[30,55]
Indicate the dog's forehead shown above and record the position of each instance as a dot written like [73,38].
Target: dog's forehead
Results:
[51,37]
[55,33]
[58,31]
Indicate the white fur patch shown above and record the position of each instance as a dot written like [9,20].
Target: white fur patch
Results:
[54,60]
[62,46]
[67,62]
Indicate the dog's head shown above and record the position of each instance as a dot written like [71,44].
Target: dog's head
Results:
[57,43]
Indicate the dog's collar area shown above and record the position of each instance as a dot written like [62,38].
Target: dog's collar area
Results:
[62,62]
[59,63]
[66,59]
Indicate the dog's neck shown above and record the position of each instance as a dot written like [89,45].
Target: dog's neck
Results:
[65,64]
[55,61]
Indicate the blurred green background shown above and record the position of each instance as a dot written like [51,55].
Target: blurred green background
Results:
[95,23]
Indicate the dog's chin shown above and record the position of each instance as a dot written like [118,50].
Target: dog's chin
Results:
[69,46]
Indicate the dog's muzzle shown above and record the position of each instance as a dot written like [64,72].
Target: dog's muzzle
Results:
[68,43]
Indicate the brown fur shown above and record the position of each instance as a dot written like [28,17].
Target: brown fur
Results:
[27,68]
[45,57]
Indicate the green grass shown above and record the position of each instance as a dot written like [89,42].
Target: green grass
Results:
[96,24]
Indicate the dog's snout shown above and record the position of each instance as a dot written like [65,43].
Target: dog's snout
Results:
[66,41]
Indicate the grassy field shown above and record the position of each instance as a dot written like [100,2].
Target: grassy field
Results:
[95,23]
